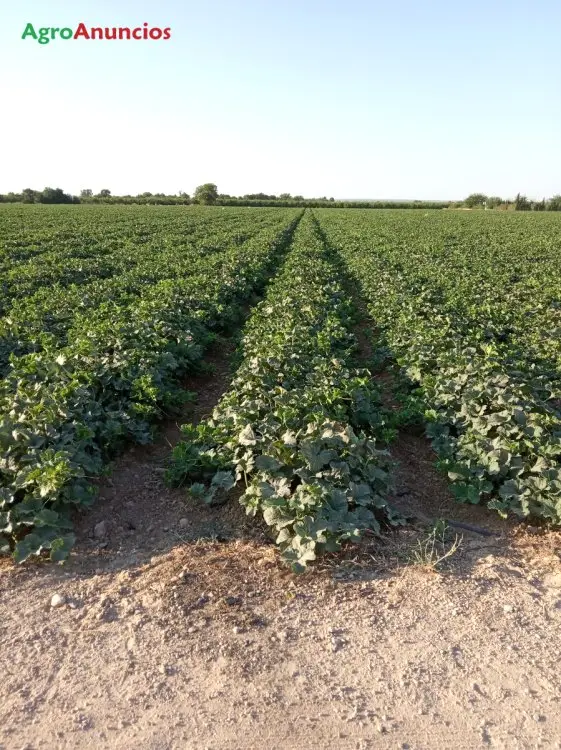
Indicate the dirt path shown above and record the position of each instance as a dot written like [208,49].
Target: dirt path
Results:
[181,630]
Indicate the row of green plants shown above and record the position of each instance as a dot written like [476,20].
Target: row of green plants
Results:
[46,246]
[122,270]
[470,308]
[297,428]
[64,410]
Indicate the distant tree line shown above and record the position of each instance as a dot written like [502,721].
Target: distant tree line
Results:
[48,195]
[520,203]
[57,195]
[208,195]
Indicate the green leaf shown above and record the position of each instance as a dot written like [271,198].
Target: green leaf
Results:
[197,490]
[223,480]
[26,547]
[247,436]
[277,517]
[61,548]
[267,463]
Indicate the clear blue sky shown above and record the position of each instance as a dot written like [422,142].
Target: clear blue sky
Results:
[360,98]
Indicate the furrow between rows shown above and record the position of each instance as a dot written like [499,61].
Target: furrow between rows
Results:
[297,427]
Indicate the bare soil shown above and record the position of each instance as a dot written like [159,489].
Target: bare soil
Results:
[180,629]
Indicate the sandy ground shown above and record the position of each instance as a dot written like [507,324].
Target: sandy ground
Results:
[180,629]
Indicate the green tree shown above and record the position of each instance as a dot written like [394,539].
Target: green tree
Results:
[30,196]
[206,194]
[521,203]
[493,201]
[54,195]
[86,193]
[554,204]
[475,200]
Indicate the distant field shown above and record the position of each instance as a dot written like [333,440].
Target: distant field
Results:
[104,310]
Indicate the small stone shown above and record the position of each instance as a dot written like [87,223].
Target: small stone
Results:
[508,608]
[337,644]
[58,600]
[237,630]
[100,530]
[538,717]
[232,600]
[183,523]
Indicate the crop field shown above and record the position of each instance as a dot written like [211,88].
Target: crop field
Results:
[104,311]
